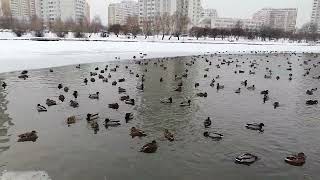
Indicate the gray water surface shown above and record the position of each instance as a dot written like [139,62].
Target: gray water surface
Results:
[76,152]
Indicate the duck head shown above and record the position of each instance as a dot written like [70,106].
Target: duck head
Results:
[206,134]
[154,142]
[261,125]
[170,99]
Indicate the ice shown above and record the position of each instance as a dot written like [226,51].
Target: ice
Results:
[27,175]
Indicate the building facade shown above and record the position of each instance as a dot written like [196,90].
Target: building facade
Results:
[150,9]
[229,23]
[315,16]
[192,9]
[284,19]
[23,9]
[119,12]
[209,13]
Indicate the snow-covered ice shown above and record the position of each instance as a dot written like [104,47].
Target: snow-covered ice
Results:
[25,54]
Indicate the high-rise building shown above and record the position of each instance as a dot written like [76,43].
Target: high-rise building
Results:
[229,23]
[23,9]
[119,12]
[284,19]
[76,10]
[209,13]
[150,9]
[190,8]
[315,17]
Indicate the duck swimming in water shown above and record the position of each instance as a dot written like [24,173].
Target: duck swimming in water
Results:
[130,102]
[202,94]
[41,108]
[255,126]
[214,136]
[66,89]
[128,117]
[296,159]
[219,86]
[4,85]
[61,98]
[71,120]
[251,88]
[108,122]
[75,94]
[168,135]
[85,81]
[91,117]
[312,102]
[207,122]
[166,100]
[51,102]
[114,106]
[29,136]
[186,103]
[150,147]
[74,104]
[60,86]
[238,91]
[246,159]
[275,105]
[94,96]
[134,132]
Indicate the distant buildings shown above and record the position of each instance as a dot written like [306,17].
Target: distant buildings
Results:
[230,23]
[23,9]
[150,9]
[192,9]
[119,12]
[209,13]
[284,19]
[315,17]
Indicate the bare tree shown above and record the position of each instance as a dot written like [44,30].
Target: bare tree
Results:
[95,25]
[36,25]
[115,28]
[165,24]
[59,28]
[147,27]
[181,24]
[156,24]
[133,25]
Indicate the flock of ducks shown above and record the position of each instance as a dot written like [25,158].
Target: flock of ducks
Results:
[100,74]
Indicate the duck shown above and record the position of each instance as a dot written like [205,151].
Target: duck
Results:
[4,85]
[51,102]
[141,87]
[166,100]
[128,117]
[71,120]
[238,91]
[246,158]
[219,86]
[121,80]
[179,89]
[251,88]
[75,94]
[61,98]
[277,78]
[91,117]
[60,86]
[255,126]
[66,89]
[168,135]
[296,159]
[186,103]
[134,132]
[150,147]
[207,122]
[108,122]
[28,136]
[23,76]
[114,83]
[214,136]
[202,94]
[92,79]
[245,83]
[95,127]
[161,79]
[74,104]
[78,66]
[114,106]
[123,98]
[94,96]
[121,90]
[41,108]
[85,81]
[312,102]
[130,102]
[264,92]
[275,105]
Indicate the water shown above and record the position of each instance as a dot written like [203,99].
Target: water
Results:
[76,152]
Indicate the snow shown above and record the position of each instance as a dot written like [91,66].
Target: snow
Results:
[19,55]
[28,175]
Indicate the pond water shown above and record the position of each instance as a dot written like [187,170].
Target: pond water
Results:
[77,152]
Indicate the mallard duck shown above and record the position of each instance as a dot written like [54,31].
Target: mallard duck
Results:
[114,106]
[66,89]
[245,83]
[78,66]
[128,117]
[312,102]
[95,126]
[251,88]
[255,126]
[264,92]
[4,85]
[207,122]
[141,87]
[121,90]
[24,72]
[41,108]
[166,100]
[121,80]
[108,122]
[91,117]
[275,105]
[214,136]
[186,103]
[130,102]
[23,76]
[71,120]
[60,86]
[101,76]
[75,94]
[136,132]
[168,135]
[177,77]
[246,158]
[161,79]
[277,78]
[93,73]
[296,159]
[92,79]
[29,136]
[179,89]
[51,102]
[105,80]
[202,94]
[61,98]
[238,91]
[94,96]
[219,86]
[123,98]
[85,81]
[74,104]
[150,147]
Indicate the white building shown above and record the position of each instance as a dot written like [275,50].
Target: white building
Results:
[23,9]
[209,13]
[190,8]
[230,23]
[149,9]
[76,10]
[284,19]
[119,12]
[315,17]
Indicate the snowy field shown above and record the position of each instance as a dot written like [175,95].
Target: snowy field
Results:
[25,54]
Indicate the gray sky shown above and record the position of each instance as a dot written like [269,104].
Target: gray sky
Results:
[227,8]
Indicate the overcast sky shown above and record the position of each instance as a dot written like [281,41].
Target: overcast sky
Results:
[227,8]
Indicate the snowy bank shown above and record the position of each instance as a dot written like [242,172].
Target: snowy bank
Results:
[19,55]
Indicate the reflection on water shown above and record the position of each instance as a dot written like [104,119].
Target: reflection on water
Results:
[76,152]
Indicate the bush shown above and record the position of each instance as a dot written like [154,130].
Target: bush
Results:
[39,34]
[18,32]
[79,35]
[61,34]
